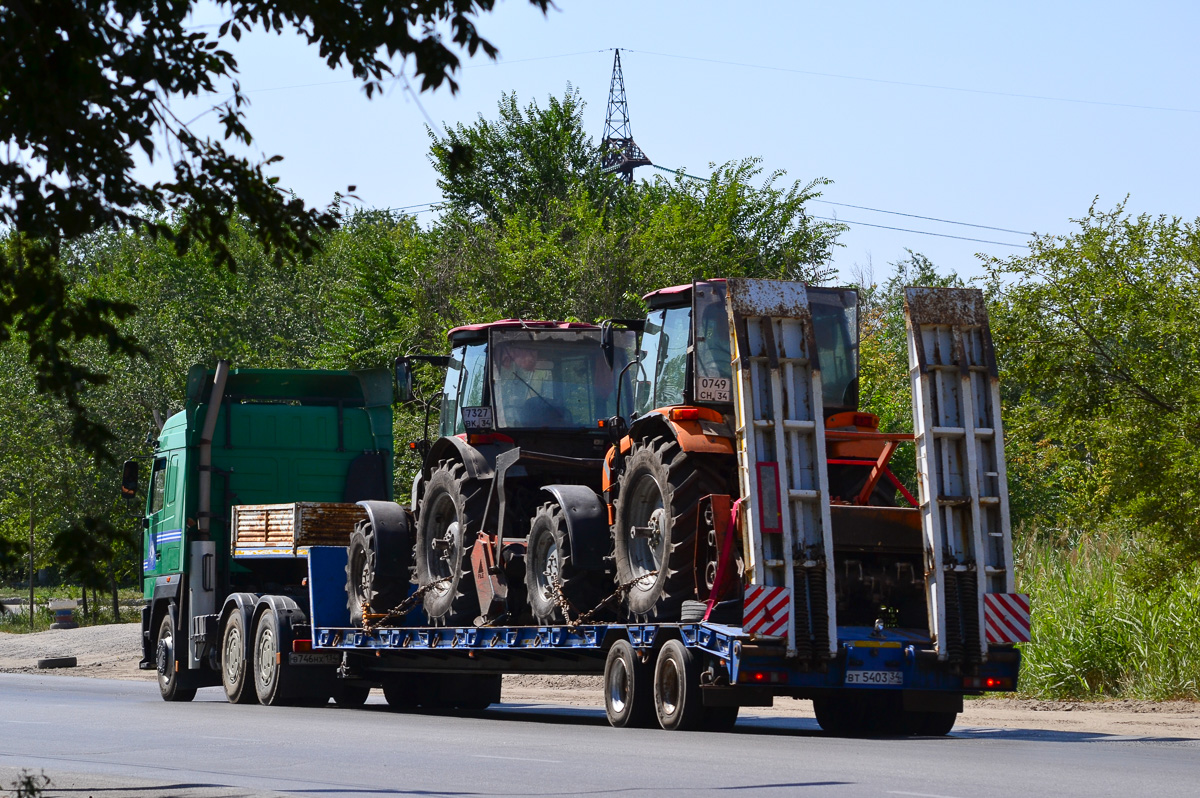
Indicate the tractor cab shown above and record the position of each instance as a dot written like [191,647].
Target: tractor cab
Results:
[685,348]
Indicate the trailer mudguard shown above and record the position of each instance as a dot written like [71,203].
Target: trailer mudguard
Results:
[587,524]
[287,611]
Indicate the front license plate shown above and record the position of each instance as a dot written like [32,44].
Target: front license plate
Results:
[875,677]
[314,658]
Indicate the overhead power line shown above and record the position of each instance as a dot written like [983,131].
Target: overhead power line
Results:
[936,86]
[896,213]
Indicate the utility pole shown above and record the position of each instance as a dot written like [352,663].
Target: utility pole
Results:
[619,153]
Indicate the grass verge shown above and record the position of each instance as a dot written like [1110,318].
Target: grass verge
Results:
[1095,636]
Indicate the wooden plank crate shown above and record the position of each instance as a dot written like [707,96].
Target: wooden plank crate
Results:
[262,527]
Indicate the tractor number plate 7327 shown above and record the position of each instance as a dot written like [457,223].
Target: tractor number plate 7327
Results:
[477,418]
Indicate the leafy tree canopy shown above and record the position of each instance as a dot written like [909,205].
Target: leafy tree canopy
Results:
[84,84]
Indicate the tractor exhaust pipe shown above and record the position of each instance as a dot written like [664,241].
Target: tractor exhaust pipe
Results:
[206,436]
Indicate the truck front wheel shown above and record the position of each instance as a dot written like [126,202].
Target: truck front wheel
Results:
[165,660]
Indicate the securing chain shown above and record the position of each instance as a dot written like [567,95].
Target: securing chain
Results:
[372,621]
[585,618]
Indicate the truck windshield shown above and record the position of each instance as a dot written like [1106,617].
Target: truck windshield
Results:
[545,379]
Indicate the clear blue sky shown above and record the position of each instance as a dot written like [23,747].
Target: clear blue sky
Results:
[1010,115]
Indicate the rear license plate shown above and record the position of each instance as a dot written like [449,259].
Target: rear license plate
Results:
[875,677]
[314,658]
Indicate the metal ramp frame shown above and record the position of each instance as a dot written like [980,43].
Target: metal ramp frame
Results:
[781,465]
[960,465]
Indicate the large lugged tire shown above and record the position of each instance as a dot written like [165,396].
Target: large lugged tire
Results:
[451,513]
[377,568]
[655,532]
[168,677]
[547,559]
[235,667]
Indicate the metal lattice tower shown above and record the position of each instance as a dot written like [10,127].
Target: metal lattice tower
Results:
[619,153]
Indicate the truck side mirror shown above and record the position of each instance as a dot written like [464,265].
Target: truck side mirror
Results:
[403,380]
[129,480]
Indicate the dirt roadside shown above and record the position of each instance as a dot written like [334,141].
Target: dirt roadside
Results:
[112,652]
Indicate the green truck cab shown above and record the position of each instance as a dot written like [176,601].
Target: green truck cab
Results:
[307,447]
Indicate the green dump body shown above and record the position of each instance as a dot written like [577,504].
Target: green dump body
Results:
[281,436]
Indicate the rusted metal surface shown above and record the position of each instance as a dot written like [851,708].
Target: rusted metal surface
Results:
[748,297]
[949,306]
[294,524]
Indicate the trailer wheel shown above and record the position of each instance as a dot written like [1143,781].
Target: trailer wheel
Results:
[548,559]
[677,699]
[276,683]
[628,688]
[655,532]
[377,568]
[350,696]
[235,677]
[841,715]
[168,677]
[403,690]
[451,508]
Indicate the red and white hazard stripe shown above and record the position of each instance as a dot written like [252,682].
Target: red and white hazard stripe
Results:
[1006,616]
[765,610]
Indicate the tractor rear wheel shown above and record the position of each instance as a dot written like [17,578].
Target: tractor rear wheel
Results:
[451,513]
[655,534]
[549,568]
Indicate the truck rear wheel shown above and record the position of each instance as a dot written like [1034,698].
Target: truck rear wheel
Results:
[677,700]
[235,677]
[655,533]
[548,561]
[165,659]
[628,688]
[451,509]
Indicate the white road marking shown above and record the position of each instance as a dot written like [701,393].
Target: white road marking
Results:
[517,758]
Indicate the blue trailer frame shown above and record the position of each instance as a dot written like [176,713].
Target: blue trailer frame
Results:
[742,663]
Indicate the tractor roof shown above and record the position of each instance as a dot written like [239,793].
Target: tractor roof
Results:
[674,295]
[469,331]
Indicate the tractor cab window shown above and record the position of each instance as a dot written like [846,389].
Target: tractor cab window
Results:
[664,358]
[835,322]
[158,485]
[546,379]
[466,375]
[714,369]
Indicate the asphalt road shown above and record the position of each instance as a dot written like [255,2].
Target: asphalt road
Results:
[96,737]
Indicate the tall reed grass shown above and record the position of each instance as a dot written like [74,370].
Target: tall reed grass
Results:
[1095,636]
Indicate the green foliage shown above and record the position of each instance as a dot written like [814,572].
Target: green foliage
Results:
[1098,337]
[85,84]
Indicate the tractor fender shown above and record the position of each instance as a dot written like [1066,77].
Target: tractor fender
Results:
[587,524]
[702,436]
[394,537]
[479,463]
